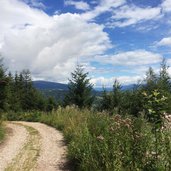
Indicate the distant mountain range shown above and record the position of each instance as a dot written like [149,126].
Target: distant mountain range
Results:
[59,90]
[47,85]
[124,87]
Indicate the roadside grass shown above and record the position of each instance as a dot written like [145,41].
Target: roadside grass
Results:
[97,141]
[2,131]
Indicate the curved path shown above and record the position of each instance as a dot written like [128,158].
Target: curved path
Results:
[32,146]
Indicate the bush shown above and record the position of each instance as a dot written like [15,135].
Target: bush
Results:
[23,116]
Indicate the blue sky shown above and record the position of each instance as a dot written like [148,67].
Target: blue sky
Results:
[110,38]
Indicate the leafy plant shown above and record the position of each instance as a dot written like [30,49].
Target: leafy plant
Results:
[154,105]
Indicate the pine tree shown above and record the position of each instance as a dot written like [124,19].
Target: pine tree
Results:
[106,102]
[111,101]
[51,104]
[3,87]
[164,84]
[116,96]
[150,80]
[80,89]
[29,96]
[164,78]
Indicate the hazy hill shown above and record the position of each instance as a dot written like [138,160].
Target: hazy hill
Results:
[47,85]
[59,90]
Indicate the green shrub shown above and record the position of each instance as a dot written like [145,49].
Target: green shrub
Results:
[23,116]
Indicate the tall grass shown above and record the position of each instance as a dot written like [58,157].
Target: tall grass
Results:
[98,142]
[2,131]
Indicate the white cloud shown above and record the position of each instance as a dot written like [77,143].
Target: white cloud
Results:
[166,5]
[81,5]
[134,58]
[35,3]
[102,7]
[47,45]
[131,15]
[108,82]
[16,14]
[164,42]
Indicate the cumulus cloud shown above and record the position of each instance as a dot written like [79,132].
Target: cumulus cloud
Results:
[16,14]
[47,45]
[81,5]
[134,58]
[164,42]
[166,5]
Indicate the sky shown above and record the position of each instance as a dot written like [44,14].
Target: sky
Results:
[111,39]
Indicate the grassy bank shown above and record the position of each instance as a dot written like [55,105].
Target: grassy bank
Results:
[2,132]
[100,142]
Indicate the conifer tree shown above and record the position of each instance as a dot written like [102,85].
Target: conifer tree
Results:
[164,78]
[3,87]
[150,80]
[106,102]
[116,95]
[80,89]
[29,97]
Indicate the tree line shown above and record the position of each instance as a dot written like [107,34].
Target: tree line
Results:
[17,93]
[133,101]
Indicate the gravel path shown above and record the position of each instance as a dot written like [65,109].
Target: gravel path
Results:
[33,146]
[16,138]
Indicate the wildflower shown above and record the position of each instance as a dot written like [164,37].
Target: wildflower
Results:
[127,125]
[117,118]
[118,125]
[144,93]
[111,129]
[100,137]
[153,153]
[127,121]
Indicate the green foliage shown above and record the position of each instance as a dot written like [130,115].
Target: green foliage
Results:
[51,104]
[116,94]
[106,102]
[3,87]
[154,106]
[17,94]
[80,89]
[32,116]
[97,141]
[111,101]
[2,133]
[132,102]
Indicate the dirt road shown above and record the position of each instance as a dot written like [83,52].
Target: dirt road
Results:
[32,147]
